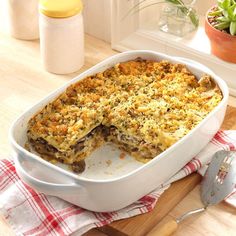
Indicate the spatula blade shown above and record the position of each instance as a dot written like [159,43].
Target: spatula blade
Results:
[220,178]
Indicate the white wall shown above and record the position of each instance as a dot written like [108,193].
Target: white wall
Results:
[97,18]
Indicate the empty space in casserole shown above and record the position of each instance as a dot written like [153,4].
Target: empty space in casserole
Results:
[142,106]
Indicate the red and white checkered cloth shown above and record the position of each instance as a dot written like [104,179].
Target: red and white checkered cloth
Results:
[32,213]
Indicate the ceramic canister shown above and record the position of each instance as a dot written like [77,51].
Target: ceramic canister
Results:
[23,19]
[61,35]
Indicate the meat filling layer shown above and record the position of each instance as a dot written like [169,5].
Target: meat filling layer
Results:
[138,148]
[75,156]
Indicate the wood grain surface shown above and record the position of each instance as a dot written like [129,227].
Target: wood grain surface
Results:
[23,81]
[142,224]
[230,119]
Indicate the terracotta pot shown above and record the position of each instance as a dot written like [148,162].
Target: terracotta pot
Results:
[223,45]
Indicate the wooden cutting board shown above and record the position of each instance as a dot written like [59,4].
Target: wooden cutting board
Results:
[142,224]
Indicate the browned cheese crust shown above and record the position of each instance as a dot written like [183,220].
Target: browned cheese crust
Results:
[142,106]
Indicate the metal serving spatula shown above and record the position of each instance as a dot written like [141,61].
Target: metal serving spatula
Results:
[218,182]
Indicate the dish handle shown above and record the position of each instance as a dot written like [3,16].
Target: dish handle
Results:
[195,63]
[54,189]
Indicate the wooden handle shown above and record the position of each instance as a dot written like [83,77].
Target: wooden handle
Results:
[166,229]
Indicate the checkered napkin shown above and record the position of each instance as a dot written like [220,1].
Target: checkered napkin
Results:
[32,213]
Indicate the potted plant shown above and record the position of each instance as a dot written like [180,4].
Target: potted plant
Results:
[220,27]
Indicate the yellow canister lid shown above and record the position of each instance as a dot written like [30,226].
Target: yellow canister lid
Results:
[60,8]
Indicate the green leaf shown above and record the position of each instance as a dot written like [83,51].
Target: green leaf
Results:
[219,3]
[225,13]
[230,12]
[226,4]
[232,28]
[222,19]
[234,13]
[144,7]
[138,7]
[215,13]
[190,13]
[222,4]
[222,26]
[176,2]
[194,18]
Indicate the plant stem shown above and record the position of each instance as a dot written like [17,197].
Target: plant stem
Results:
[179,4]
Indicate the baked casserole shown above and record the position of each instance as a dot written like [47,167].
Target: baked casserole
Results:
[141,106]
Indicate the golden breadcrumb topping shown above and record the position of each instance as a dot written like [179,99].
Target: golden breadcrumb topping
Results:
[157,102]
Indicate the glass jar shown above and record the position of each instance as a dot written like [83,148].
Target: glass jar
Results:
[178,20]
[61,35]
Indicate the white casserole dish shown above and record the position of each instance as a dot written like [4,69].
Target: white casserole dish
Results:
[109,186]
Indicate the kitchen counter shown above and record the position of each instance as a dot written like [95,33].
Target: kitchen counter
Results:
[24,81]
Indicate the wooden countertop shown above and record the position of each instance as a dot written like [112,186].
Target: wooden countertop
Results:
[23,82]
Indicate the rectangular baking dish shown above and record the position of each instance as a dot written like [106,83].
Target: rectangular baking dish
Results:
[110,183]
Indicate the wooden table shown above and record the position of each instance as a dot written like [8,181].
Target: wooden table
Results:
[23,82]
